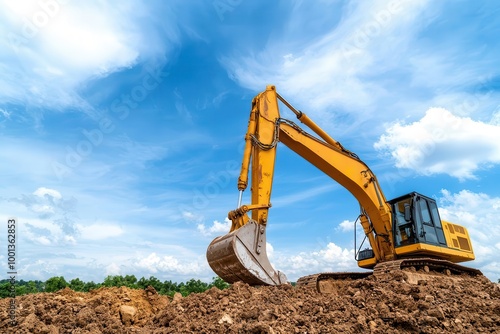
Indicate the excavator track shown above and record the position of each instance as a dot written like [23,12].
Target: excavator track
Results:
[313,281]
[427,265]
[387,271]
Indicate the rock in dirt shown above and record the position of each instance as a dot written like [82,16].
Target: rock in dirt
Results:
[177,297]
[226,319]
[127,314]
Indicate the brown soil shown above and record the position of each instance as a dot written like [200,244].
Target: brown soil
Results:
[443,305]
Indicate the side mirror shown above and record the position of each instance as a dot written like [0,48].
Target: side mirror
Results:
[407,212]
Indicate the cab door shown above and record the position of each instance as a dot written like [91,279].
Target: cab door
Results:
[428,221]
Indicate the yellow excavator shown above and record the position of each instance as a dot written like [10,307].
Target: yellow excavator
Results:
[406,232]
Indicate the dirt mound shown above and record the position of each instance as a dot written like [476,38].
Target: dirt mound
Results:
[462,305]
[105,310]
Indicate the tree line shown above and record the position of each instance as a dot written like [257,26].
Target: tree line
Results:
[57,283]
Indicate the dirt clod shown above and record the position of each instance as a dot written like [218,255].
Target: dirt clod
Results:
[127,314]
[458,305]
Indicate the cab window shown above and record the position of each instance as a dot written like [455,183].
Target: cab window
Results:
[404,231]
[428,220]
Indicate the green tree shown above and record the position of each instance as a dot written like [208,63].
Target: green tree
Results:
[31,287]
[55,284]
[89,286]
[142,283]
[155,283]
[130,281]
[151,281]
[40,285]
[20,290]
[169,288]
[193,286]
[5,289]
[219,283]
[180,288]
[116,280]
[77,284]
[58,282]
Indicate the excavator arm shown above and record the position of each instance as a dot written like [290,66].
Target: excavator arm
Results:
[241,254]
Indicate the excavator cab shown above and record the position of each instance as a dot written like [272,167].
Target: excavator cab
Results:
[419,231]
[416,220]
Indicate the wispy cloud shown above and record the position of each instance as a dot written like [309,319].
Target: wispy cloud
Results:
[52,50]
[48,203]
[6,114]
[285,200]
[334,69]
[375,64]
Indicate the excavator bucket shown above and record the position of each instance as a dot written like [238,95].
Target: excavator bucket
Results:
[241,256]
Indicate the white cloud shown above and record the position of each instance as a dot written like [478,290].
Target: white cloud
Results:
[44,202]
[346,226]
[479,213]
[216,228]
[41,192]
[191,216]
[495,118]
[442,143]
[333,252]
[269,250]
[168,264]
[43,224]
[48,204]
[45,232]
[329,258]
[42,209]
[42,240]
[113,269]
[69,239]
[100,230]
[40,269]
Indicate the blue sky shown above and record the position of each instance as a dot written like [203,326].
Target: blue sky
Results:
[122,125]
